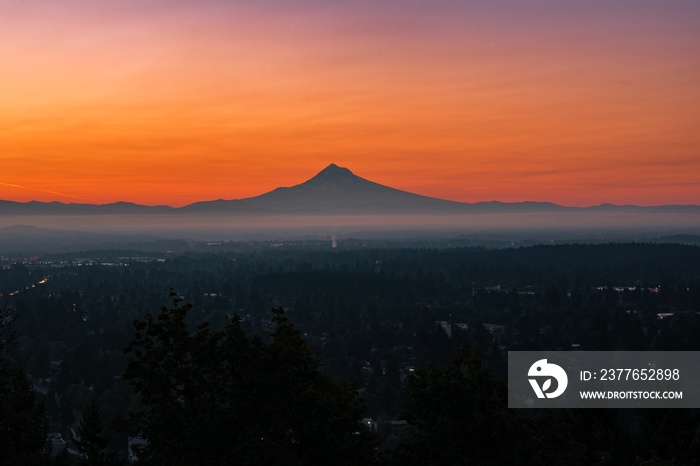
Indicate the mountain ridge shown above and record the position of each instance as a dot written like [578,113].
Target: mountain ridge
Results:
[334,190]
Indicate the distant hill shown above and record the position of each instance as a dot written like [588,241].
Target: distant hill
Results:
[60,208]
[333,191]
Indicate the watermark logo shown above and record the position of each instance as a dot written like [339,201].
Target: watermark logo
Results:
[545,372]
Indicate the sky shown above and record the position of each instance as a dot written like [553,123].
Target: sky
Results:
[172,102]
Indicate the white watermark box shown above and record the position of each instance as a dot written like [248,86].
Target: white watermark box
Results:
[604,379]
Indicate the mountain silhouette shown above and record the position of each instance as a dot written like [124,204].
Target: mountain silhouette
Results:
[333,191]
[336,190]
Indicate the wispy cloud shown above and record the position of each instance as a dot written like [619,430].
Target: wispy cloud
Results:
[48,191]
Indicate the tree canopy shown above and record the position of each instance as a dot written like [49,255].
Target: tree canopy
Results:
[22,422]
[460,414]
[213,397]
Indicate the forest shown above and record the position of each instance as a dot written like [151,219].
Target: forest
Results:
[298,354]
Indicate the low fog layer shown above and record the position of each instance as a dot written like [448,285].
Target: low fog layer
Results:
[545,226]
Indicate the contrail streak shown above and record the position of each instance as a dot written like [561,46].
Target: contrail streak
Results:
[47,191]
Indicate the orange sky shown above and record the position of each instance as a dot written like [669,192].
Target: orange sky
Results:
[172,102]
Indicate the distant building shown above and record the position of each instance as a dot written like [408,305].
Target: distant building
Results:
[396,427]
[370,423]
[445,326]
